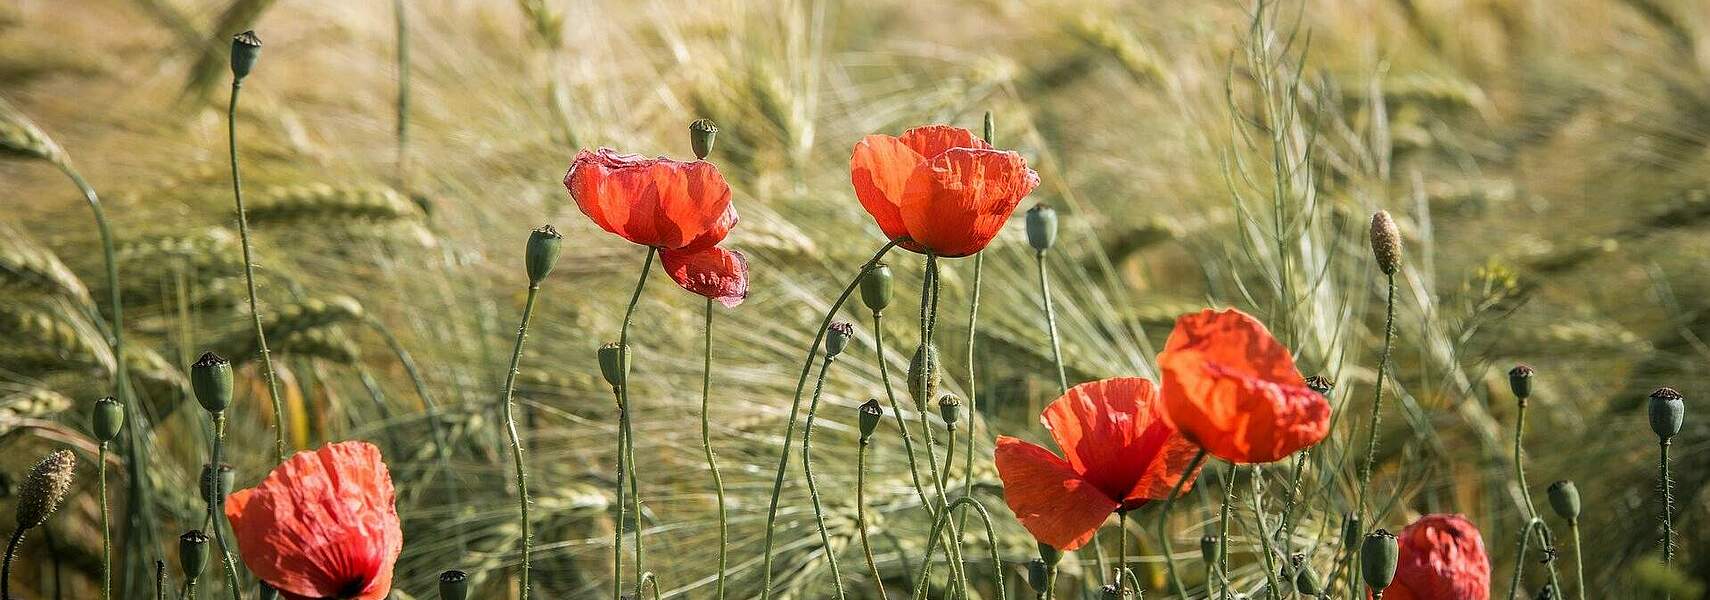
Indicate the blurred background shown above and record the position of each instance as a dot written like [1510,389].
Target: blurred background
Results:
[1548,163]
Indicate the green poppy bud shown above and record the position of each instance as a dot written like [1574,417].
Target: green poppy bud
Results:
[1050,554]
[246,48]
[193,553]
[1377,559]
[614,364]
[211,379]
[871,413]
[544,244]
[1668,412]
[876,288]
[837,338]
[950,408]
[1386,242]
[107,418]
[1564,497]
[226,478]
[45,487]
[1321,384]
[1208,548]
[1353,533]
[1520,382]
[1038,575]
[989,127]
[1041,227]
[702,132]
[923,375]
[453,585]
[1305,578]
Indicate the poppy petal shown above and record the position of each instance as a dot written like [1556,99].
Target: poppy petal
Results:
[1048,497]
[1233,389]
[879,170]
[955,203]
[932,140]
[716,273]
[714,233]
[654,202]
[1112,434]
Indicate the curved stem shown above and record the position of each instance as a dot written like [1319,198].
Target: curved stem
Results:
[938,524]
[1377,408]
[1526,493]
[215,513]
[516,442]
[712,459]
[1051,323]
[861,517]
[1176,586]
[928,322]
[949,453]
[106,526]
[813,489]
[1223,532]
[625,419]
[896,412]
[1273,587]
[647,579]
[6,567]
[795,404]
[973,389]
[1520,560]
[249,277]
[1292,500]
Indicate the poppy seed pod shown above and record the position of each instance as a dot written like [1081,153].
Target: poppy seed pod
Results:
[876,288]
[614,364]
[1041,227]
[453,585]
[923,374]
[1668,411]
[227,477]
[193,553]
[1520,382]
[950,408]
[1386,242]
[246,48]
[1305,579]
[1321,384]
[871,413]
[837,338]
[544,244]
[702,132]
[1378,557]
[45,487]
[1564,497]
[1050,554]
[1038,575]
[106,419]
[1208,548]
[211,379]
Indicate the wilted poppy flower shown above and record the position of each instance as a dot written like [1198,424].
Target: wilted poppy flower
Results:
[1120,454]
[1442,556]
[716,273]
[1233,389]
[322,525]
[657,202]
[944,189]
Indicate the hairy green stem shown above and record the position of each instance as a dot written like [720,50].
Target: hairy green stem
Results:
[1176,586]
[1520,557]
[813,488]
[896,412]
[973,388]
[249,277]
[1668,507]
[1051,323]
[1377,408]
[622,508]
[160,580]
[190,588]
[861,516]
[1273,588]
[1223,532]
[106,526]
[516,442]
[1526,494]
[215,501]
[928,323]
[626,416]
[6,567]
[921,583]
[1578,558]
[712,459]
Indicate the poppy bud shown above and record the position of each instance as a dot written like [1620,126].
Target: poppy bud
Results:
[1305,579]
[246,48]
[837,338]
[45,487]
[614,364]
[1208,548]
[1377,559]
[1564,497]
[108,417]
[870,416]
[1386,242]
[211,379]
[923,374]
[1668,411]
[226,477]
[702,132]
[267,592]
[988,126]
[453,585]
[1352,532]
[544,245]
[1321,384]
[193,553]
[876,288]
[1041,227]
[1038,575]
[950,408]
[1109,592]
[1050,554]
[1520,381]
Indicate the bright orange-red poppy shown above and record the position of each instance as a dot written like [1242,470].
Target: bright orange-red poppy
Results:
[941,187]
[322,525]
[1120,454]
[716,273]
[655,202]
[1233,389]
[1442,556]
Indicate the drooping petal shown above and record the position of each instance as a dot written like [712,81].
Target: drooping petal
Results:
[714,233]
[716,273]
[1442,556]
[932,140]
[653,202]
[1113,435]
[879,169]
[322,525]
[1048,497]
[1233,389]
[955,203]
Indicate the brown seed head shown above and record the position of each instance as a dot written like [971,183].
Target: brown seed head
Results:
[45,488]
[1386,242]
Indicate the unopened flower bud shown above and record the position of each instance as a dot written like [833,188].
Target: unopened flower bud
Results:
[1305,578]
[1041,227]
[1208,548]
[107,418]
[193,553]
[544,244]
[614,364]
[246,48]
[871,413]
[1353,532]
[1668,411]
[1520,382]
[211,379]
[1050,554]
[988,128]
[702,132]
[45,487]
[1321,384]
[876,288]
[453,585]
[1377,559]
[1039,575]
[950,408]
[226,477]
[837,338]
[923,374]
[1564,497]
[1386,242]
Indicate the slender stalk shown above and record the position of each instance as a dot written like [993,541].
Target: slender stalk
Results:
[938,524]
[896,412]
[403,29]
[249,277]
[1578,558]
[625,416]
[1051,323]
[1668,507]
[795,404]
[190,589]
[1121,554]
[6,567]
[622,508]
[1520,560]
[1377,408]
[634,494]
[861,516]
[712,459]
[1273,587]
[813,489]
[516,442]
[973,388]
[1292,500]
[1223,532]
[215,514]
[160,580]
[106,526]
[1526,493]
[928,321]
[647,580]
[949,453]
[1176,586]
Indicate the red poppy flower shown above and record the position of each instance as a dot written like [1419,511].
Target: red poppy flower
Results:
[655,202]
[1233,389]
[945,190]
[716,273]
[1442,556]
[1120,455]
[322,525]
